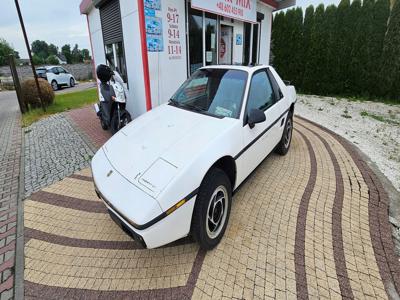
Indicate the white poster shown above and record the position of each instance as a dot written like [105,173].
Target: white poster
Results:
[244,10]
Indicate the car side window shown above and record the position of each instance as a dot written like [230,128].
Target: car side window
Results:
[54,70]
[61,70]
[277,91]
[261,94]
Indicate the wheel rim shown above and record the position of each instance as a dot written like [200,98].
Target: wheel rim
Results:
[288,134]
[55,86]
[72,82]
[217,212]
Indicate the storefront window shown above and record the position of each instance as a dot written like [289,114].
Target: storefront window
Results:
[115,57]
[246,44]
[195,39]
[211,39]
[254,56]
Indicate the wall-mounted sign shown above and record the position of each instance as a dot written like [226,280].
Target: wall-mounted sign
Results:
[153,4]
[239,39]
[154,26]
[244,10]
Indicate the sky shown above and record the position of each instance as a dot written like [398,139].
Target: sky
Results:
[54,21]
[58,22]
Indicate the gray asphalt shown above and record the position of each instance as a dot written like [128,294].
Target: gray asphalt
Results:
[8,105]
[79,87]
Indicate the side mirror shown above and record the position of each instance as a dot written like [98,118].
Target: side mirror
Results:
[56,72]
[255,116]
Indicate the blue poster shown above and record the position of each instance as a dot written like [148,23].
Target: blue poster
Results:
[239,39]
[153,25]
[149,12]
[155,43]
[153,4]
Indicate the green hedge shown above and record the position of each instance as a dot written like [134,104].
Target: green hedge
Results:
[352,49]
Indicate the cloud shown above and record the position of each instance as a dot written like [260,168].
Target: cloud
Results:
[54,21]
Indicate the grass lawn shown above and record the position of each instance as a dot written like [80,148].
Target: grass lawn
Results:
[62,102]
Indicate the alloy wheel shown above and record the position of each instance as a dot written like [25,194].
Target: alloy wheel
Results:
[217,212]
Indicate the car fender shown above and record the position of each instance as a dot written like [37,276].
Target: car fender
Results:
[189,179]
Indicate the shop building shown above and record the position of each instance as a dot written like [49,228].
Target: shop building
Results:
[157,44]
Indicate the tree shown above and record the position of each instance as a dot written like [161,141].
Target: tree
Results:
[5,51]
[53,49]
[277,41]
[306,43]
[85,54]
[380,25]
[391,56]
[76,55]
[40,48]
[37,60]
[361,52]
[66,50]
[329,30]
[315,65]
[52,60]
[343,46]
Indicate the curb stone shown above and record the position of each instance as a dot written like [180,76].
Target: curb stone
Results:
[19,249]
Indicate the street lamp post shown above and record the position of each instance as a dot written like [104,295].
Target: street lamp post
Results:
[30,54]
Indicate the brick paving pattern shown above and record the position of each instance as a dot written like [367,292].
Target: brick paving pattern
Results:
[10,152]
[89,124]
[312,224]
[53,150]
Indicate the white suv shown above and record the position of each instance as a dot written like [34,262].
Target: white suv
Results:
[56,76]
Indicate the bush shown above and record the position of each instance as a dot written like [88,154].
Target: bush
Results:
[30,93]
[52,60]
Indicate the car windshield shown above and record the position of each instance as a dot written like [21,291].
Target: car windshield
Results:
[216,92]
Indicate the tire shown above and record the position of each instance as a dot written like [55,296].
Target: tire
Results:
[72,82]
[284,145]
[212,209]
[114,123]
[103,124]
[125,119]
[54,85]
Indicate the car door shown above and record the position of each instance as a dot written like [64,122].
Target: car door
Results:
[260,140]
[63,75]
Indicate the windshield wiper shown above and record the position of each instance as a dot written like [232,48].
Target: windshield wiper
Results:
[174,102]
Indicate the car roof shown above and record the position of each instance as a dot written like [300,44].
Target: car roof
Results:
[246,68]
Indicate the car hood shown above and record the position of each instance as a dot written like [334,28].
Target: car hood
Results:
[154,148]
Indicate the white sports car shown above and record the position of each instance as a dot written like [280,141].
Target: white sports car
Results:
[172,171]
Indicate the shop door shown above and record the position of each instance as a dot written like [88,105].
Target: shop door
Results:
[226,45]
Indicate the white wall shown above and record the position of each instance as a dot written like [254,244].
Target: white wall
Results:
[168,72]
[265,41]
[238,49]
[97,37]
[136,104]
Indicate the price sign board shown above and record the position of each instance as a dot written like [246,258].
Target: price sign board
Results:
[244,10]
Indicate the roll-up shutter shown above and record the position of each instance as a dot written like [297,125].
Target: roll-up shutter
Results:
[111,24]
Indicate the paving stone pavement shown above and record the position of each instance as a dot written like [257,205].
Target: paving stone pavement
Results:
[53,150]
[10,152]
[313,224]
[89,124]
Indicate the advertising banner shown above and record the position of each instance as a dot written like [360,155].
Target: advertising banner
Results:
[244,10]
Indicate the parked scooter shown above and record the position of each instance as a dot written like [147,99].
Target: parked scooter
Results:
[111,109]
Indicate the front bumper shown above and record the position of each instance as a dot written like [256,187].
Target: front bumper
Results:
[139,214]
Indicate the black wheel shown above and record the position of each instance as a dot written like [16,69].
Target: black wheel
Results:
[71,82]
[103,124]
[212,209]
[125,119]
[54,85]
[283,147]
[114,123]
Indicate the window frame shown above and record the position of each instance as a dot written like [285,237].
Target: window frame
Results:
[246,114]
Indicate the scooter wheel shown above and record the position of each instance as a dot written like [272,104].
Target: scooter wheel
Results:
[103,125]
